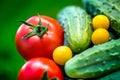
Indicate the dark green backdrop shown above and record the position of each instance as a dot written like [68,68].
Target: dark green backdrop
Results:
[11,11]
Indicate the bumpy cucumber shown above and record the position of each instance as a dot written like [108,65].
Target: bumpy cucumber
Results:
[77,26]
[110,8]
[112,76]
[96,61]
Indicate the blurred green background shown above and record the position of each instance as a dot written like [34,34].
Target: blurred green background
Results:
[11,11]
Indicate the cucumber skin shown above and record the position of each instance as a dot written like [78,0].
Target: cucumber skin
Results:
[113,76]
[110,8]
[77,26]
[95,62]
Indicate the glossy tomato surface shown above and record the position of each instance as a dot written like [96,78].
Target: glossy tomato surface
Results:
[39,46]
[35,68]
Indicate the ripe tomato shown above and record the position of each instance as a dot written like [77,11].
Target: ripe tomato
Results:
[100,21]
[62,54]
[38,37]
[100,36]
[35,68]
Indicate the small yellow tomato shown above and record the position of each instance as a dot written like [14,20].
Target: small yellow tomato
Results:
[62,54]
[100,35]
[100,21]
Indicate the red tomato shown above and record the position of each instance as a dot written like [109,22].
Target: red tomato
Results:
[45,34]
[34,69]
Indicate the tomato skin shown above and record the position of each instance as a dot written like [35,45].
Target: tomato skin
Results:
[36,46]
[100,21]
[99,36]
[34,69]
[62,54]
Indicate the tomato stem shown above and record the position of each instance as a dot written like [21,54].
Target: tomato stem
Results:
[45,77]
[37,30]
[32,26]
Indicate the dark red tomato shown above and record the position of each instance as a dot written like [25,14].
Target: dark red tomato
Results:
[38,37]
[35,68]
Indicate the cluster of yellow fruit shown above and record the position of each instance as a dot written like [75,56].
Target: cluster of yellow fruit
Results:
[100,25]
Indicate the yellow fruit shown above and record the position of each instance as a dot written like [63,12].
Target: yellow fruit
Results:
[100,21]
[100,35]
[62,54]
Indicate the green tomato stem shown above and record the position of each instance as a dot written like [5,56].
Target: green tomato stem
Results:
[45,77]
[37,30]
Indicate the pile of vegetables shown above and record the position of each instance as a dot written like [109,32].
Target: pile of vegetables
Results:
[83,43]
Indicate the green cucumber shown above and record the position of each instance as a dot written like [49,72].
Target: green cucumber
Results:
[110,8]
[113,76]
[95,61]
[77,26]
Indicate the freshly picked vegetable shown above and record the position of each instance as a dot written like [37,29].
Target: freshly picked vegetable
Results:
[38,37]
[62,54]
[95,62]
[77,26]
[40,69]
